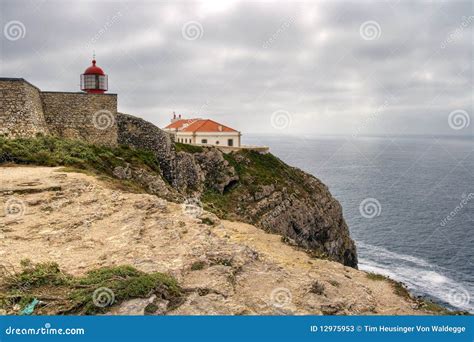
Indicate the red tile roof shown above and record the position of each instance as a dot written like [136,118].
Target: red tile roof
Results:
[199,125]
[179,123]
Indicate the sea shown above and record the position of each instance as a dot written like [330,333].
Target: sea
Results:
[408,202]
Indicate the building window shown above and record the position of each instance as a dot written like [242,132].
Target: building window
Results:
[230,142]
[94,82]
[204,141]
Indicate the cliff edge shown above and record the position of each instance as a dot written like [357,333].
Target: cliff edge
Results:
[91,227]
[250,187]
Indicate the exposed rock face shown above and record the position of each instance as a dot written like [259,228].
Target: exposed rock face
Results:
[138,133]
[216,172]
[264,191]
[188,177]
[153,183]
[315,223]
[226,268]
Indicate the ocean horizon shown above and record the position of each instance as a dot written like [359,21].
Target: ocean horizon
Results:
[408,202]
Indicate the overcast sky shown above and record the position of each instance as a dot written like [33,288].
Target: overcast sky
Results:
[335,67]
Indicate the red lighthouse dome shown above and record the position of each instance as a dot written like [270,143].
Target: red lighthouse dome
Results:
[94,80]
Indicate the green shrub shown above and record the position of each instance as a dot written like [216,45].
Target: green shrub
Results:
[375,276]
[180,147]
[65,294]
[53,151]
[317,288]
[198,265]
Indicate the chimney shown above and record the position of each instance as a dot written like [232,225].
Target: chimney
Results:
[174,117]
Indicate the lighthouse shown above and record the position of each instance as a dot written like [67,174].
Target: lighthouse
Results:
[94,80]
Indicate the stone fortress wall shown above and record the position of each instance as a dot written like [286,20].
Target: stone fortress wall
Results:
[26,111]
[21,109]
[88,117]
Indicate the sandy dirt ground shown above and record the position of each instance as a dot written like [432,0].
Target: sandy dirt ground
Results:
[226,267]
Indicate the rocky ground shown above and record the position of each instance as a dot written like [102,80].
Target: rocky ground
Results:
[225,267]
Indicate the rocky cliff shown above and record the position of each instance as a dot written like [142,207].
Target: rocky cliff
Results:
[180,262]
[243,186]
[250,187]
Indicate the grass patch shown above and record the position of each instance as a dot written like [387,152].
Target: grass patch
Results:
[423,304]
[428,305]
[255,171]
[180,147]
[207,221]
[222,261]
[74,154]
[317,288]
[375,276]
[60,293]
[398,288]
[198,265]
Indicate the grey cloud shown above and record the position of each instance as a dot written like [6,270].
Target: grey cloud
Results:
[254,58]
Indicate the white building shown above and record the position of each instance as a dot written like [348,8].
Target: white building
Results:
[202,132]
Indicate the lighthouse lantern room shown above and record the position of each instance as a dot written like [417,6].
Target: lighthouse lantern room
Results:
[94,80]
